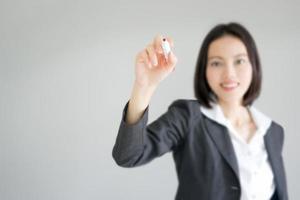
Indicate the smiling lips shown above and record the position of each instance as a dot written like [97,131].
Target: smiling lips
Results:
[228,86]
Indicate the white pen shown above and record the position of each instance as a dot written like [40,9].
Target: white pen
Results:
[166,48]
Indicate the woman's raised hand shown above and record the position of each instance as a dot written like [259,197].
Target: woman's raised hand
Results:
[151,65]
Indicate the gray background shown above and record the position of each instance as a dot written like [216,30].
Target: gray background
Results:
[66,72]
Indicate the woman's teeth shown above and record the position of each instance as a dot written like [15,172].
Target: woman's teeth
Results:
[230,85]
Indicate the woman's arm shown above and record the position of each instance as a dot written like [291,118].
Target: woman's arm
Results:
[139,143]
[140,99]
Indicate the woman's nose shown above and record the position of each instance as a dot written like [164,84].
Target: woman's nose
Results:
[229,71]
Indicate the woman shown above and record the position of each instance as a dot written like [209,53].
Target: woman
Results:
[223,147]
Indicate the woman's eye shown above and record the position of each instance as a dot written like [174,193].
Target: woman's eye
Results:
[240,61]
[215,63]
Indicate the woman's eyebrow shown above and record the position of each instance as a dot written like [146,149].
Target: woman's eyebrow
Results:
[241,54]
[237,55]
[212,57]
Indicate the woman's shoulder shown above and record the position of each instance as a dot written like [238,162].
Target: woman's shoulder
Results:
[275,128]
[185,103]
[191,107]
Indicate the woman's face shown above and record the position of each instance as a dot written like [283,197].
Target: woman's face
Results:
[228,71]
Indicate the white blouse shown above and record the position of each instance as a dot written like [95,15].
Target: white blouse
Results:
[256,176]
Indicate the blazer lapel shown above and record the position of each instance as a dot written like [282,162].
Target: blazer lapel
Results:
[272,143]
[220,136]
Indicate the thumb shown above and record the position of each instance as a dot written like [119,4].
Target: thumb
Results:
[172,61]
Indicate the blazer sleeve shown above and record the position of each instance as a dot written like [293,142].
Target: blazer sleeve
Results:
[139,143]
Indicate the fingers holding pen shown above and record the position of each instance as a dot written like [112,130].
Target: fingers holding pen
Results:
[158,42]
[152,54]
[142,58]
[155,53]
[155,61]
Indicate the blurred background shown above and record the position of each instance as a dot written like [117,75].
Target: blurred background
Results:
[67,70]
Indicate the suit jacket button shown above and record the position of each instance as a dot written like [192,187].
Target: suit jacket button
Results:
[233,187]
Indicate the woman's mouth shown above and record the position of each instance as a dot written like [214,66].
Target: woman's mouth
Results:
[229,86]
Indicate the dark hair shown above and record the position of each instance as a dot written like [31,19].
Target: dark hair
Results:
[203,92]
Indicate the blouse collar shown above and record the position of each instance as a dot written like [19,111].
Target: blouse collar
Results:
[215,113]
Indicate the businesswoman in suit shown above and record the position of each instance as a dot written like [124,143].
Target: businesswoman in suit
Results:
[223,147]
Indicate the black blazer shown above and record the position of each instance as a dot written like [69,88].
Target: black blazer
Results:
[205,160]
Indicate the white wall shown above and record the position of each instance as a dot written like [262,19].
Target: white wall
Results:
[66,71]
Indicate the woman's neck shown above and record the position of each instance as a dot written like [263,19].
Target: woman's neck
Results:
[236,113]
